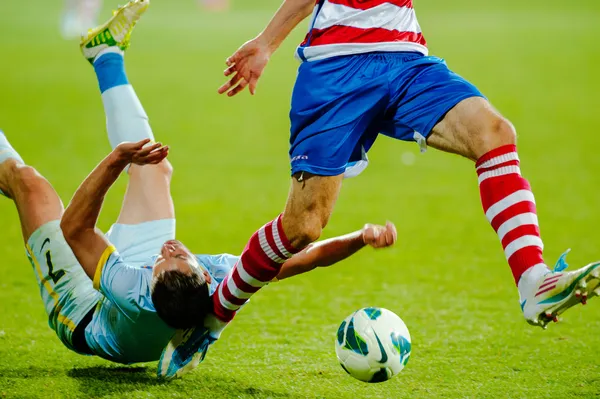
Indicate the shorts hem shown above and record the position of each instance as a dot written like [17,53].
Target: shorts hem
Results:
[318,170]
[429,128]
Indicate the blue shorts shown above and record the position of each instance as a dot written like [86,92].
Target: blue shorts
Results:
[341,104]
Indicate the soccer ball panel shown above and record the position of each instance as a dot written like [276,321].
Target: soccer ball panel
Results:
[373,344]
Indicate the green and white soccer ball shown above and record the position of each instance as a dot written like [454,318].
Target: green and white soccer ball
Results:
[373,344]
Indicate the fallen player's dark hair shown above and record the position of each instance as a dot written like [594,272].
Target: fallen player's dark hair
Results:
[181,300]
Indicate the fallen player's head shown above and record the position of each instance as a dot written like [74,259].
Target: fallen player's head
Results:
[180,287]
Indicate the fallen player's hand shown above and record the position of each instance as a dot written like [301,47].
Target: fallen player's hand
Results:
[245,67]
[140,153]
[379,236]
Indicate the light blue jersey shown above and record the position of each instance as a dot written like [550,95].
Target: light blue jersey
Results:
[125,327]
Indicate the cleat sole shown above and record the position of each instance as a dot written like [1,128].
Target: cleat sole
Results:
[588,287]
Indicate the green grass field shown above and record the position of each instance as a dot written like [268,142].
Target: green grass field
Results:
[447,278]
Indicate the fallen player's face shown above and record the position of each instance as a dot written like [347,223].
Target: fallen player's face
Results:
[175,256]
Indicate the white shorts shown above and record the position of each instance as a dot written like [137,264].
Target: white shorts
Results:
[137,243]
[66,290]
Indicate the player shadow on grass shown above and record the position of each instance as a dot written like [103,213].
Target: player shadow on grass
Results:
[100,381]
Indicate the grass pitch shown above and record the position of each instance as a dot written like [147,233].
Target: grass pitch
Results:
[538,63]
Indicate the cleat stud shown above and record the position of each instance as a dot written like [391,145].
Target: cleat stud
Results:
[549,315]
[597,291]
[555,319]
[584,301]
[577,294]
[582,284]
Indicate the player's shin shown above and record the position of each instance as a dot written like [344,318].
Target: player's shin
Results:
[509,206]
[126,119]
[259,264]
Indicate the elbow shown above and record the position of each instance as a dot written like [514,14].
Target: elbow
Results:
[70,230]
[309,6]
[306,7]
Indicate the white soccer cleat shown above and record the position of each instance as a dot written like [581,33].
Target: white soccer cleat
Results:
[115,32]
[186,350]
[558,291]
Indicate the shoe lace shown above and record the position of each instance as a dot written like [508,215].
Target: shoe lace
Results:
[561,263]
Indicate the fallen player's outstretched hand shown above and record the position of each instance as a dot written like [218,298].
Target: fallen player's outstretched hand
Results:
[380,236]
[142,154]
[245,67]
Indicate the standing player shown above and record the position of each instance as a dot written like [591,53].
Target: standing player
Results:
[365,71]
[122,296]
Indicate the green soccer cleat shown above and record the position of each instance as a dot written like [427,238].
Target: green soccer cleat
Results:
[558,291]
[115,32]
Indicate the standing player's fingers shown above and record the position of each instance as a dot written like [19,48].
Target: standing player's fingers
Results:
[238,88]
[229,84]
[253,82]
[229,71]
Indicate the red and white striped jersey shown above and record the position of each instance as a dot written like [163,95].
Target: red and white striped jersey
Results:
[342,27]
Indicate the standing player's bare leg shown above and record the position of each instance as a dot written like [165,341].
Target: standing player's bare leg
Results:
[34,197]
[474,129]
[309,205]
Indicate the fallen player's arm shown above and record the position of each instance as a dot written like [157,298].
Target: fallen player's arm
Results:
[78,223]
[328,252]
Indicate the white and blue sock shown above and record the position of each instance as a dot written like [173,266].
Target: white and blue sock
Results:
[7,152]
[126,119]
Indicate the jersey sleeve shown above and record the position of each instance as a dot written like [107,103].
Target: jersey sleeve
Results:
[118,281]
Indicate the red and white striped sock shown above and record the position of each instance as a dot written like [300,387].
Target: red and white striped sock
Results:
[509,206]
[259,264]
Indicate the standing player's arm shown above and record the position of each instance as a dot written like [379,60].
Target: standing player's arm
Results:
[248,62]
[328,252]
[78,223]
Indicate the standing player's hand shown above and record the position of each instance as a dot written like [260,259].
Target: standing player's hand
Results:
[245,67]
[141,154]
[379,236]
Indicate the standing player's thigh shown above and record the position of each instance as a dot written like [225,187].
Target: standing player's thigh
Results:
[423,95]
[334,105]
[471,129]
[148,195]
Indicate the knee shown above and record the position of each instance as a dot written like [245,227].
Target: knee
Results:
[499,132]
[504,131]
[166,169]
[163,170]
[25,178]
[302,230]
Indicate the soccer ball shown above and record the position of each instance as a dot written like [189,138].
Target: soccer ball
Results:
[373,344]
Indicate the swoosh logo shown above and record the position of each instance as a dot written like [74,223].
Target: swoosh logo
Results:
[46,241]
[384,356]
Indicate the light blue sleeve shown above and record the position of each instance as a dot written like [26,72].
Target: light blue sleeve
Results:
[120,283]
[218,266]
